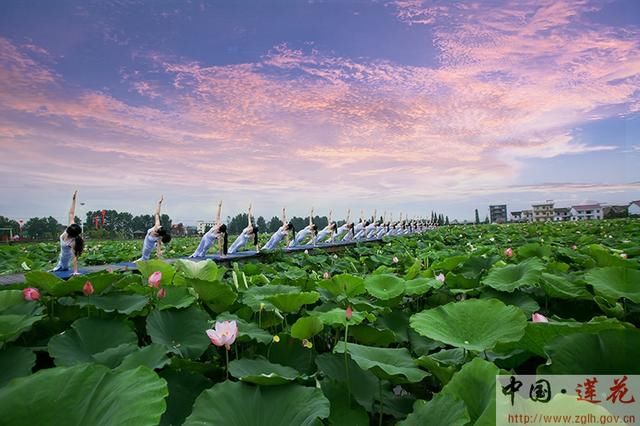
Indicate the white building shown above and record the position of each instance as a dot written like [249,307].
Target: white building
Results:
[634,208]
[202,226]
[587,212]
[561,214]
[543,212]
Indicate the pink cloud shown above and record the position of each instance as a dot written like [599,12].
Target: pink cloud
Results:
[511,85]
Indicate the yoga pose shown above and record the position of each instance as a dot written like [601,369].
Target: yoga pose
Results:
[217,232]
[155,237]
[347,227]
[310,230]
[281,233]
[327,233]
[370,230]
[248,232]
[71,242]
[359,229]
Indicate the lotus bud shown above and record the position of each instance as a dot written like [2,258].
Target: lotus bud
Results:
[508,252]
[31,294]
[326,276]
[440,277]
[87,288]
[536,317]
[395,259]
[162,293]
[154,279]
[623,255]
[348,312]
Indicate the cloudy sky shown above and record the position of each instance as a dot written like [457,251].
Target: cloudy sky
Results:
[405,106]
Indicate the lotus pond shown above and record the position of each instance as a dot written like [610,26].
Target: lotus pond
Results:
[411,331]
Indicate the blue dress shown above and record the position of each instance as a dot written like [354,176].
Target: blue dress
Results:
[66,253]
[276,238]
[205,244]
[240,241]
[149,244]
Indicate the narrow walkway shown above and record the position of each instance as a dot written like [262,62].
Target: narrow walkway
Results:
[130,266]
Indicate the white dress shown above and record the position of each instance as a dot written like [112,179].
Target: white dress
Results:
[275,239]
[242,239]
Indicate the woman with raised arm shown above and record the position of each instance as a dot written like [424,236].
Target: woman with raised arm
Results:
[155,237]
[247,233]
[217,232]
[328,232]
[345,228]
[71,242]
[281,233]
[308,231]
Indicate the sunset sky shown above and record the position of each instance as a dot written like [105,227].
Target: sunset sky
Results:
[405,106]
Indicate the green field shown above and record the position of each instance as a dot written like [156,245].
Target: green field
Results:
[409,331]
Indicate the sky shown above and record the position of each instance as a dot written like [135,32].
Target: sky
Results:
[402,106]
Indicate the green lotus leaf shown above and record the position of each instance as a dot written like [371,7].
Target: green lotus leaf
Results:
[533,250]
[262,372]
[12,326]
[217,294]
[562,288]
[343,285]
[50,284]
[337,316]
[84,395]
[240,404]
[608,352]
[306,327]
[449,263]
[114,302]
[332,366]
[614,283]
[384,286]
[255,297]
[420,286]
[176,297]
[182,332]
[99,280]
[206,270]
[604,257]
[537,335]
[148,267]
[393,364]
[21,361]
[12,302]
[153,356]
[517,298]
[371,335]
[471,324]
[512,277]
[443,409]
[343,411]
[184,387]
[475,385]
[292,302]
[102,341]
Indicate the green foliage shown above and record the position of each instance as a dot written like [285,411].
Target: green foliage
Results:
[416,348]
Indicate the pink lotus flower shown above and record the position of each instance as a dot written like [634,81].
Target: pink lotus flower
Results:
[162,293]
[536,317]
[326,276]
[395,259]
[31,294]
[348,312]
[440,277]
[508,252]
[154,279]
[224,334]
[87,288]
